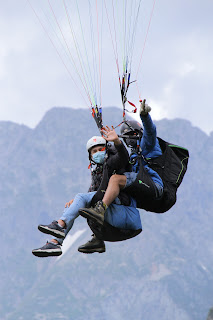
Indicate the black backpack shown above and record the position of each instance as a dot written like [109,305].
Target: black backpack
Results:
[171,167]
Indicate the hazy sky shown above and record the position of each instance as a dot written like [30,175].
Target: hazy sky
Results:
[176,71]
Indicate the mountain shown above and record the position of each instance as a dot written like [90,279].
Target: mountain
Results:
[210,314]
[164,273]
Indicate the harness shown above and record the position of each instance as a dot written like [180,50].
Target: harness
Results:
[108,232]
[171,167]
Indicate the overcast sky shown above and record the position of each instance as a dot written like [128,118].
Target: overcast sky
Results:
[176,71]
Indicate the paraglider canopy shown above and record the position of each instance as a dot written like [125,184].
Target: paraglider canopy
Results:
[86,33]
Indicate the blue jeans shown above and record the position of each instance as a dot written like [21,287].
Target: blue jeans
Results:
[81,200]
[117,215]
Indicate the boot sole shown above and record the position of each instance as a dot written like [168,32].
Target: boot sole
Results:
[89,216]
[54,233]
[43,254]
[87,251]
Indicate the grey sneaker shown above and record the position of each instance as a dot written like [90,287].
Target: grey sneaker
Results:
[93,245]
[48,250]
[53,228]
[96,214]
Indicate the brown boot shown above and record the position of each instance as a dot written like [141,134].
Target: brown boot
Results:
[96,214]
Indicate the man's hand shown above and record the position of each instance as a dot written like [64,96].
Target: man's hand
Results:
[144,108]
[68,204]
[110,135]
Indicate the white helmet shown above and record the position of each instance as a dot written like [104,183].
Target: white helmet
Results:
[95,141]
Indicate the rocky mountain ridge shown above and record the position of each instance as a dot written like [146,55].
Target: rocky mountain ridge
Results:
[166,272]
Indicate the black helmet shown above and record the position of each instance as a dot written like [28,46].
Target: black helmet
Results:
[133,130]
[129,127]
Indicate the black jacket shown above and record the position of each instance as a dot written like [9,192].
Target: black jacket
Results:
[116,162]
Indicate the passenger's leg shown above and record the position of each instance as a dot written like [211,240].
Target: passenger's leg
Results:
[52,248]
[71,213]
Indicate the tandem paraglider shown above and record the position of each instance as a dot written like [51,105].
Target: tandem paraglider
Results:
[141,172]
[120,184]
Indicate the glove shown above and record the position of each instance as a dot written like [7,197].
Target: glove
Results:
[144,108]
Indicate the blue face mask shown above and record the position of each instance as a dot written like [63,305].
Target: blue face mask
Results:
[98,157]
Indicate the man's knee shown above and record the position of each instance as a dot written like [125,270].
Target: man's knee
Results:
[118,179]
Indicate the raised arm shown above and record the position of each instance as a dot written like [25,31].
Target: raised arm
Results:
[148,140]
[120,159]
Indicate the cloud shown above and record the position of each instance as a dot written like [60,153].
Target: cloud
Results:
[179,80]
[176,73]
[186,69]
